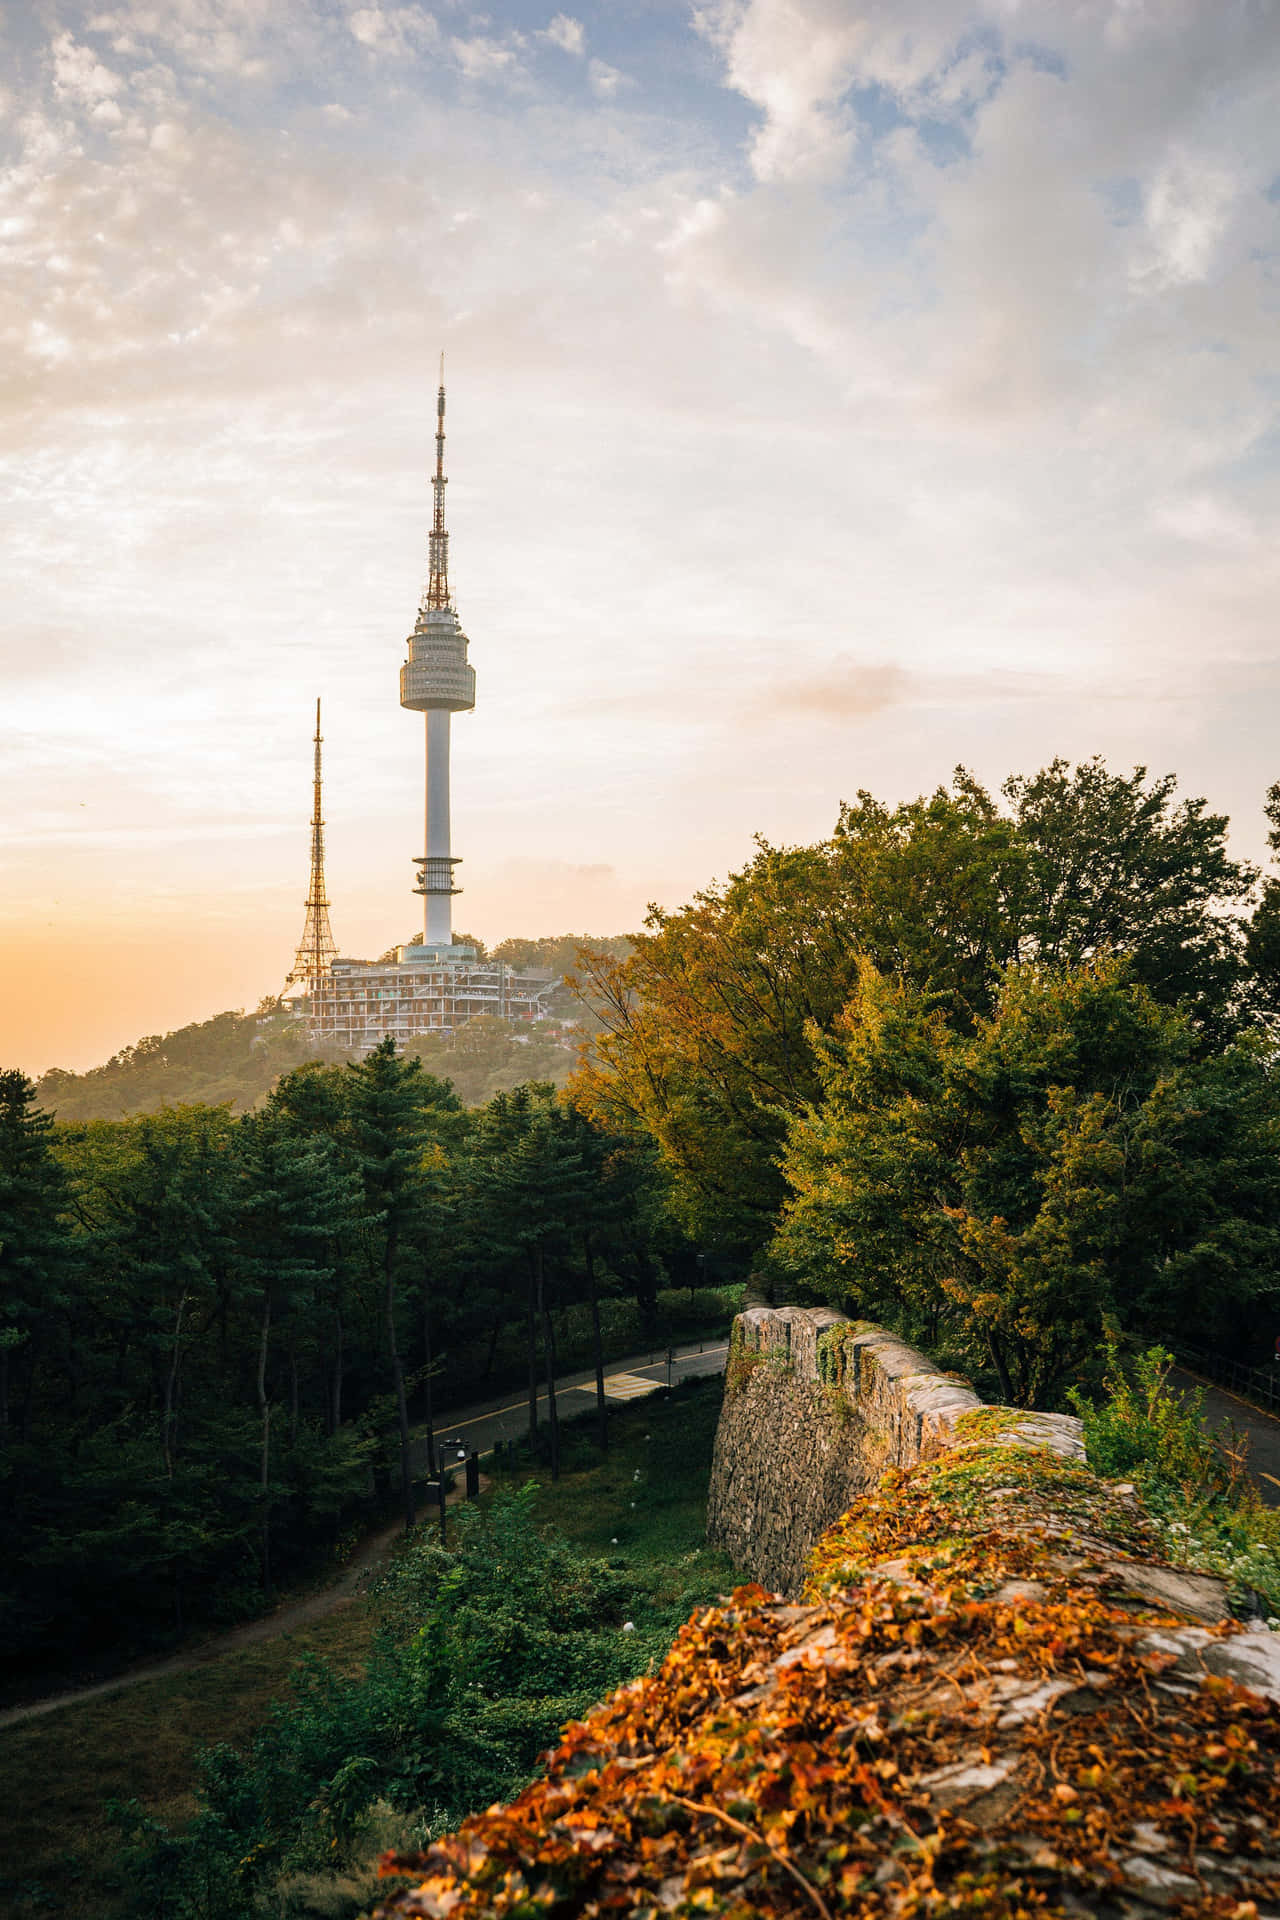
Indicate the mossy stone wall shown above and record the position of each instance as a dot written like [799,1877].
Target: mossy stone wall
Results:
[817,1407]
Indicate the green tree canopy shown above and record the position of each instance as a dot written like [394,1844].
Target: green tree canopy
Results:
[708,1025]
[1072,1162]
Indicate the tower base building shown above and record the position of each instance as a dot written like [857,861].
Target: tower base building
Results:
[358,1003]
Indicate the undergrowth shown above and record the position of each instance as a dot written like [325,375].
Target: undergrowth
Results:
[484,1650]
[1196,1489]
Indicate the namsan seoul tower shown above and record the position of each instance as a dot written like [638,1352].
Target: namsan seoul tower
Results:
[435,680]
[432,985]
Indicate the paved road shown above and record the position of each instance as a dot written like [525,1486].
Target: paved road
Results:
[1263,1430]
[508,1418]
[476,1427]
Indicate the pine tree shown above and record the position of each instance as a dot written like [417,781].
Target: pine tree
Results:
[34,1242]
[532,1182]
[392,1102]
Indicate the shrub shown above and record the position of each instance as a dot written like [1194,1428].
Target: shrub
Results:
[1198,1492]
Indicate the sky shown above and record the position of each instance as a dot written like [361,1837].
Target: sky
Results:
[838,392]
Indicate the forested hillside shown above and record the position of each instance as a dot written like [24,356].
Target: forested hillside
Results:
[235,1057]
[238,1057]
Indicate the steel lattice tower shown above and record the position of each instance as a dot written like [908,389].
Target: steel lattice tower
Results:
[437,681]
[317,947]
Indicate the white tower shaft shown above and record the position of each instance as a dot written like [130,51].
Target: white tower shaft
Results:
[439,927]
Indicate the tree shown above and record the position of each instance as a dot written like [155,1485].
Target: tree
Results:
[313,1103]
[709,1025]
[293,1196]
[386,1130]
[1112,864]
[1262,944]
[1070,1164]
[389,1099]
[531,1184]
[613,1204]
[34,1243]
[233,1057]
[491,1055]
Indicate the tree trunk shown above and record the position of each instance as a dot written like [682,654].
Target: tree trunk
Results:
[494,1330]
[426,1383]
[602,1408]
[293,1393]
[28,1393]
[549,1345]
[646,1284]
[325,1369]
[336,1404]
[4,1395]
[264,1414]
[533,1349]
[997,1361]
[402,1408]
[171,1390]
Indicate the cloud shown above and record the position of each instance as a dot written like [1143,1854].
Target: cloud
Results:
[1188,208]
[206,37]
[605,81]
[568,34]
[486,58]
[79,77]
[987,234]
[800,60]
[837,691]
[392,32]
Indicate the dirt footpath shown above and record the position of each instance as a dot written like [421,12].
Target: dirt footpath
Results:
[286,1619]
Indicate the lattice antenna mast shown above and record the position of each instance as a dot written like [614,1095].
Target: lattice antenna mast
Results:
[317,947]
[438,575]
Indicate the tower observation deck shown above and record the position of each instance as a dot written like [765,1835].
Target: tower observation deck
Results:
[436,681]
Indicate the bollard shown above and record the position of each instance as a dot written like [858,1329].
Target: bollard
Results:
[473,1476]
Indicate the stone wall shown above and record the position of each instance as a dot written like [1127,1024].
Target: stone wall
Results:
[817,1407]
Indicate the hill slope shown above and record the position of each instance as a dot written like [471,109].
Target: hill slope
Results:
[235,1056]
[238,1056]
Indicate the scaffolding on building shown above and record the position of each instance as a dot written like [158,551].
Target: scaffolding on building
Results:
[357,1003]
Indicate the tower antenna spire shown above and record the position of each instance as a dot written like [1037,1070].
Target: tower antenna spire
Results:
[438,572]
[317,947]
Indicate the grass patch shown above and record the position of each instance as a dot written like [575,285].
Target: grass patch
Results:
[58,1772]
[648,1493]
[637,1514]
